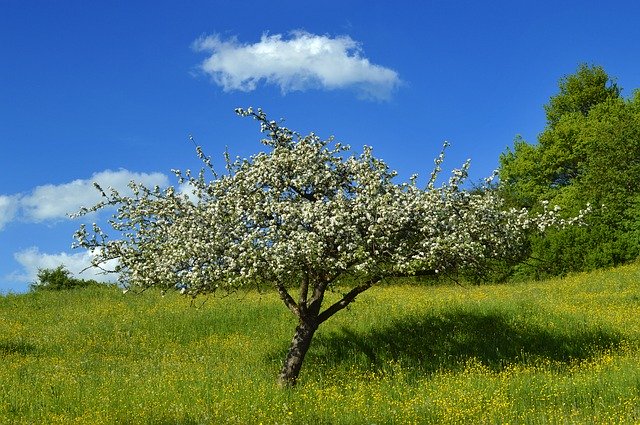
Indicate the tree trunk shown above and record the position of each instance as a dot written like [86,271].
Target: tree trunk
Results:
[297,350]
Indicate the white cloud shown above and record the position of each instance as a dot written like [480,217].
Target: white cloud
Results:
[188,189]
[51,202]
[298,62]
[32,259]
[8,209]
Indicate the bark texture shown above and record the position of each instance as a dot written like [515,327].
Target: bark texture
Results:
[297,351]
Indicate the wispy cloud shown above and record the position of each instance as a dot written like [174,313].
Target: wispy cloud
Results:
[298,62]
[32,260]
[55,202]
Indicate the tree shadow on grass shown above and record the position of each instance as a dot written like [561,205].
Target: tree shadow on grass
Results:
[16,347]
[445,341]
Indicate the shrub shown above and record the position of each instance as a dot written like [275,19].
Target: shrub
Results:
[58,279]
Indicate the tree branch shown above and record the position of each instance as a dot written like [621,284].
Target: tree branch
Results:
[308,196]
[347,299]
[304,293]
[317,297]
[288,299]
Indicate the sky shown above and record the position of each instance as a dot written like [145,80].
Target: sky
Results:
[111,91]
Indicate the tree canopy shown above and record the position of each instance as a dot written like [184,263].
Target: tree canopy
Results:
[579,92]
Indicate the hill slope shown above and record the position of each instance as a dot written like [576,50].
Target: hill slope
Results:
[543,352]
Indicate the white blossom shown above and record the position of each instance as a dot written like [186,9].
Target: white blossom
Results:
[306,208]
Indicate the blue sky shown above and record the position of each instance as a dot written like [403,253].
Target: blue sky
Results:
[110,91]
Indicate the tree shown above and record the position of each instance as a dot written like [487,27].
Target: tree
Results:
[530,173]
[58,279]
[306,216]
[579,92]
[588,153]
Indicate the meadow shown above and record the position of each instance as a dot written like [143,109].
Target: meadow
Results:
[561,351]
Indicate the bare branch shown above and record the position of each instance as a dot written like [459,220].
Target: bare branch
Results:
[347,299]
[288,299]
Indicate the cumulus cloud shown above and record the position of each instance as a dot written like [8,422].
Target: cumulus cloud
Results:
[52,202]
[298,62]
[32,259]
[8,209]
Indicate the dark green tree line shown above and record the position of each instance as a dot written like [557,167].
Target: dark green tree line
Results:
[589,152]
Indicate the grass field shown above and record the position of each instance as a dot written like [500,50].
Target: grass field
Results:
[553,352]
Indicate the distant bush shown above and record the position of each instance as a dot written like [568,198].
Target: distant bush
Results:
[59,279]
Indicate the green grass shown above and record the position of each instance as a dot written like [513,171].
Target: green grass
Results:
[559,351]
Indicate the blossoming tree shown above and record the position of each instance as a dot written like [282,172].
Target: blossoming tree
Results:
[302,217]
